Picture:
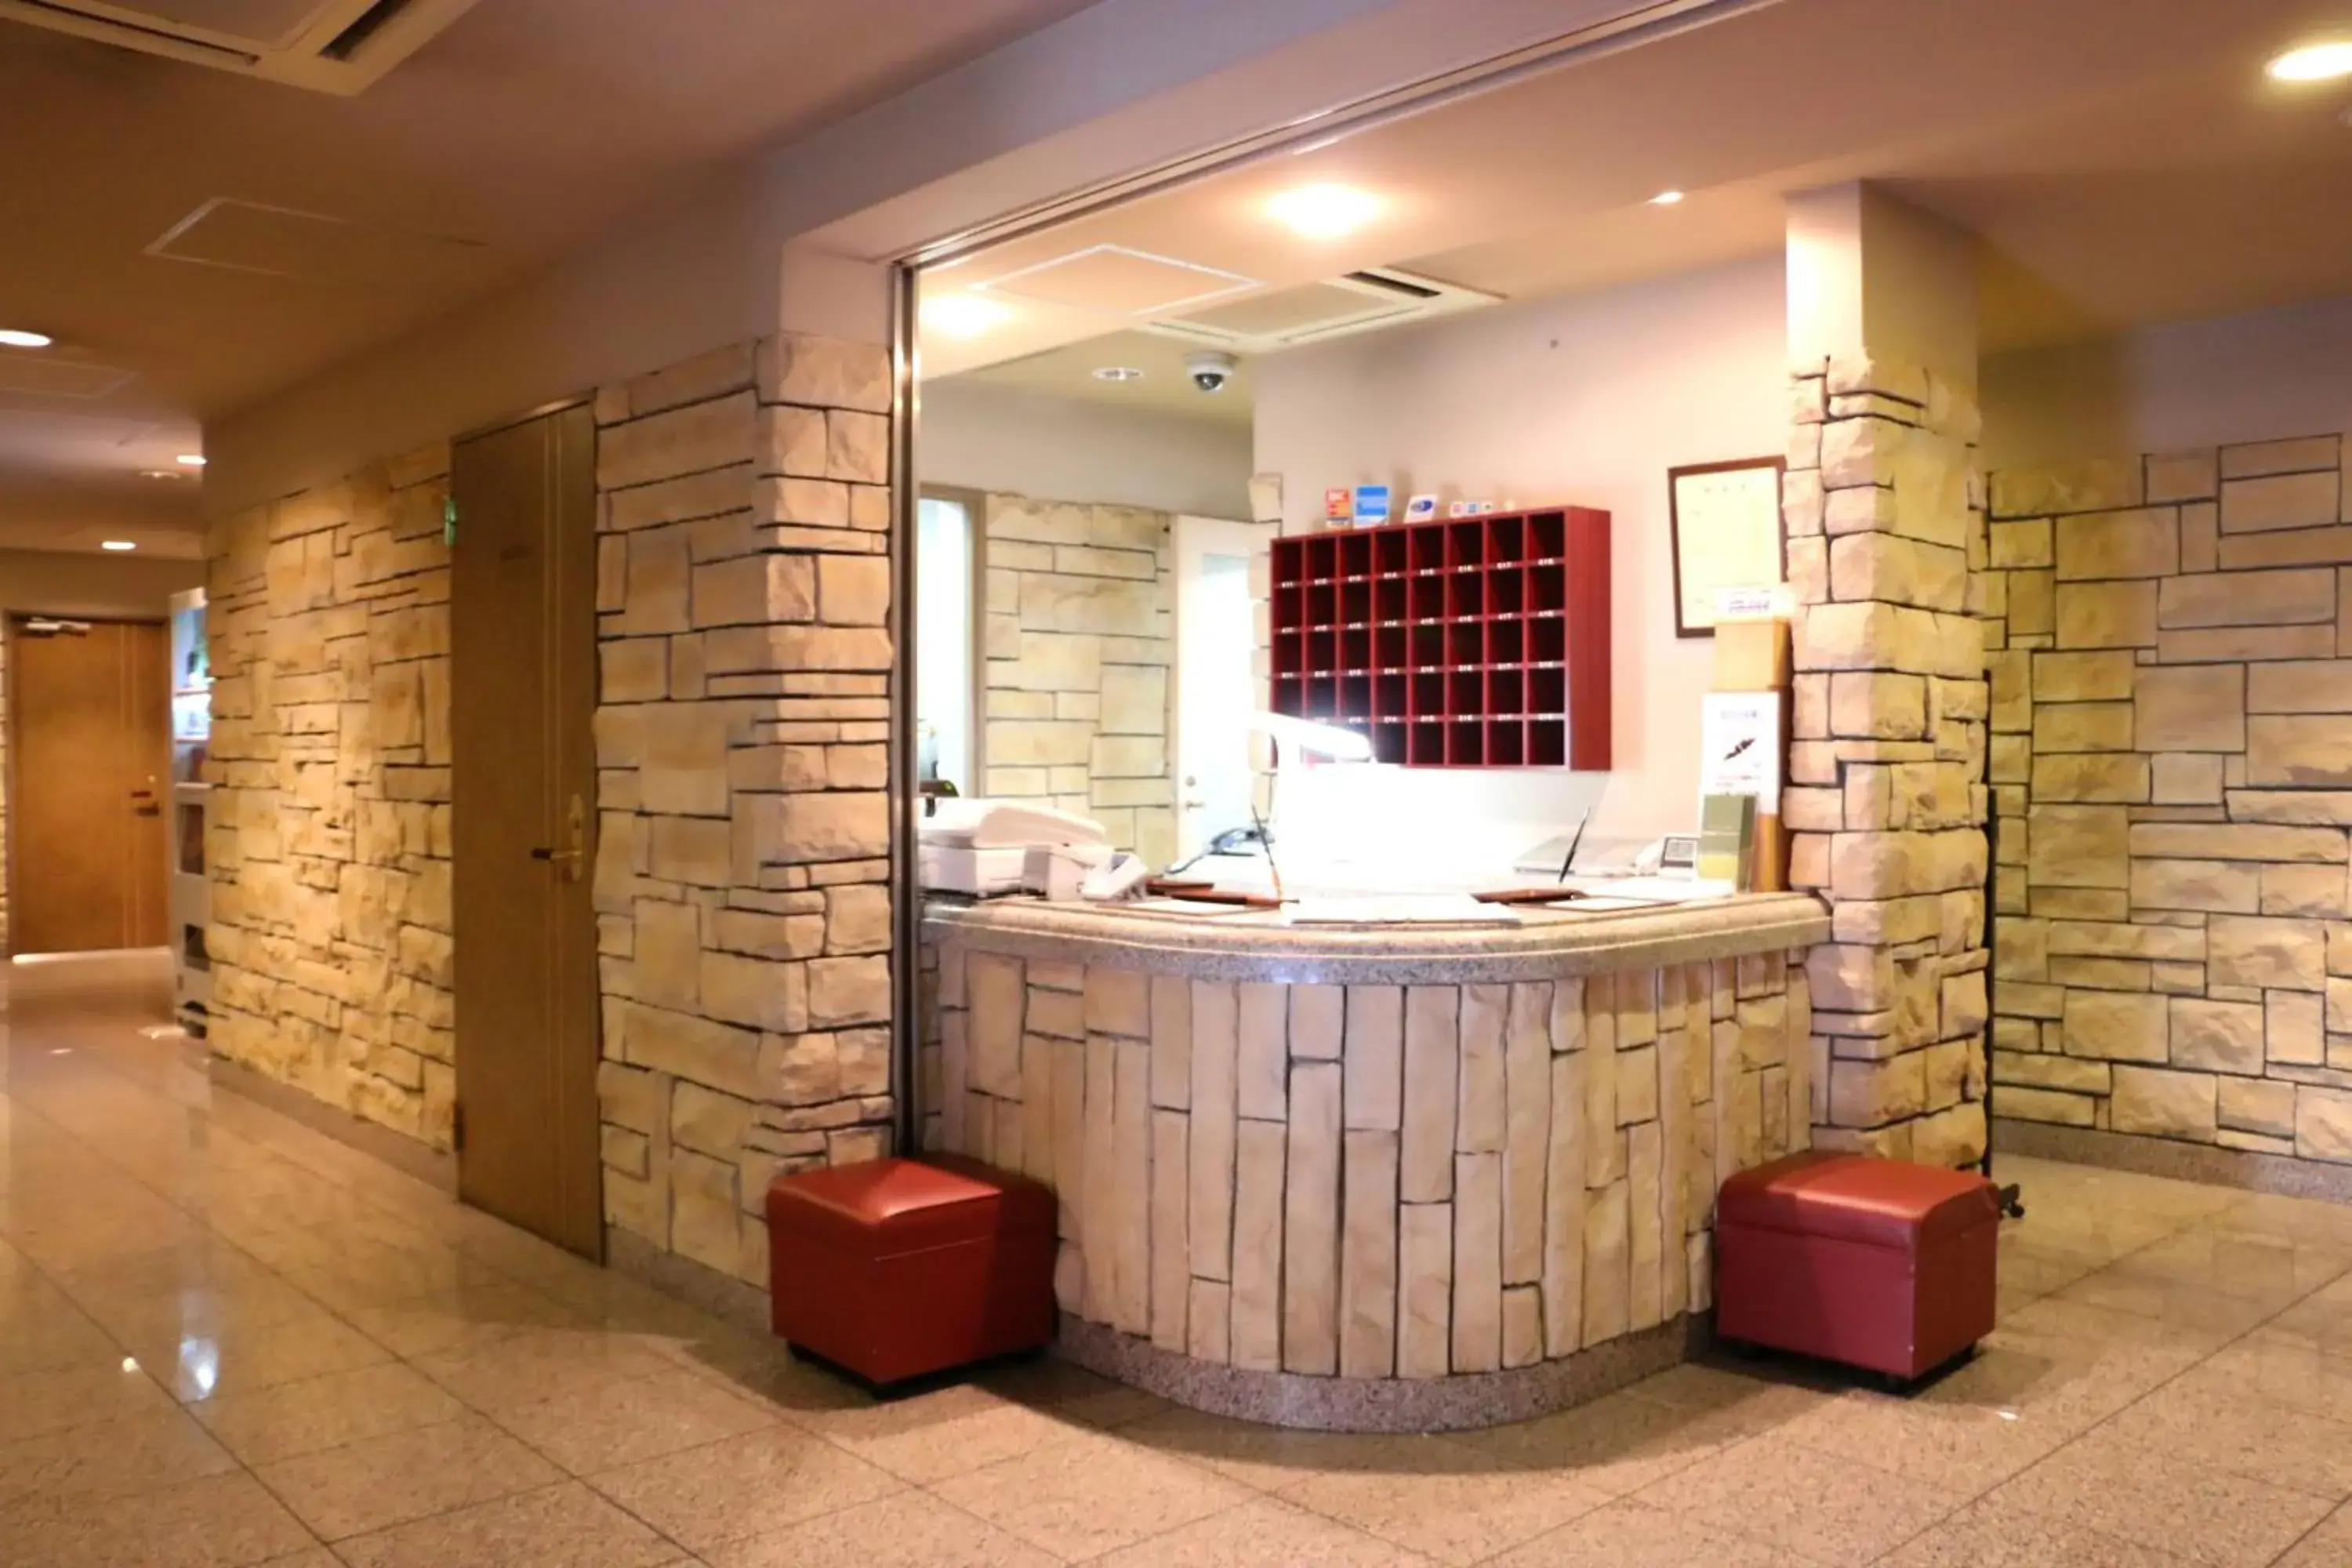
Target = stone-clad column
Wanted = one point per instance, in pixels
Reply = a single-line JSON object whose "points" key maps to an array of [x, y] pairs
{"points": [[1886, 797]]}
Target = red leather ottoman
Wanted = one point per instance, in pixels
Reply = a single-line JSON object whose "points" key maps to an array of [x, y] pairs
{"points": [[892, 1268], [1875, 1263]]}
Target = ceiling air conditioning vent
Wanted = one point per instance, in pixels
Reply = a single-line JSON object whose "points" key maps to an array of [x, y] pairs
{"points": [[1308, 312], [340, 47]]}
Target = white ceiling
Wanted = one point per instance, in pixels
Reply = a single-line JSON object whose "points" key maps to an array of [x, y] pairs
{"points": [[2123, 162], [1165, 389], [211, 239]]}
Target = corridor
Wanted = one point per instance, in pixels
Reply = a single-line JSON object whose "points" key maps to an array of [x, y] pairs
{"points": [[226, 1341]]}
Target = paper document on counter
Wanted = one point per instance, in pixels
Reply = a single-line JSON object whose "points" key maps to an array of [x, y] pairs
{"points": [[1398, 909]]}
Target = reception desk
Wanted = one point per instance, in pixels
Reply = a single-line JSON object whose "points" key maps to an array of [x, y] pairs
{"points": [[1374, 1178]]}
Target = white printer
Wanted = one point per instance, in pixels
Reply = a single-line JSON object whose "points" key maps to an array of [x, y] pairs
{"points": [[984, 848]]}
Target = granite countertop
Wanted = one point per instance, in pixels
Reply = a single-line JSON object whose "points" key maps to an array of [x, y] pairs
{"points": [[1257, 945]]}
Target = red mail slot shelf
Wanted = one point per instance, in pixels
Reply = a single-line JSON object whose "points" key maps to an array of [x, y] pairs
{"points": [[1470, 642]]}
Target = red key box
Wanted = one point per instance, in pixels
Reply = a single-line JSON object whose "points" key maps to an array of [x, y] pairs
{"points": [[1468, 642]]}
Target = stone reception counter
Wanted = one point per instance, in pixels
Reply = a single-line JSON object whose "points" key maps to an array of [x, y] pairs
{"points": [[1394, 1178]]}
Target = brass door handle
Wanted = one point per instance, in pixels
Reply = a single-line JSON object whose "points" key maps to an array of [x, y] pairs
{"points": [[573, 857]]}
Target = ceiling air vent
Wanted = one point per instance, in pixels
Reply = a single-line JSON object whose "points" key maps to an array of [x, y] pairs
{"points": [[1309, 313], [340, 47]]}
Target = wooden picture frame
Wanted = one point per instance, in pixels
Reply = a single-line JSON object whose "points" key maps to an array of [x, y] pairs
{"points": [[1725, 524]]}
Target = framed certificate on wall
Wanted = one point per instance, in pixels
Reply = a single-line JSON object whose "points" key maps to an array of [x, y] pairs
{"points": [[1725, 519]]}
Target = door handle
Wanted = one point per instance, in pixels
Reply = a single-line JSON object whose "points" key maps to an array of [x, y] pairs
{"points": [[573, 857]]}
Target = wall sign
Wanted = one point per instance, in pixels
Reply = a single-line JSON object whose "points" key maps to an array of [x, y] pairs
{"points": [[1740, 747], [1725, 519]]}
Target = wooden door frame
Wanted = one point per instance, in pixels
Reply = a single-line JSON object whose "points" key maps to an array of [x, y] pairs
{"points": [[593, 1025], [10, 621]]}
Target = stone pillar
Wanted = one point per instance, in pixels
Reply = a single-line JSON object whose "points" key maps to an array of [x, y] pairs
{"points": [[1886, 797]]}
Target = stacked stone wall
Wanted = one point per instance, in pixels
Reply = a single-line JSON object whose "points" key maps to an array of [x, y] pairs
{"points": [[1886, 798], [328, 824], [743, 751], [1079, 654], [2172, 760], [743, 738]]}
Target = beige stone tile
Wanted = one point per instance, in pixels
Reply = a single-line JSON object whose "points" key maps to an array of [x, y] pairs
{"points": [[2286, 1372], [1091, 1495], [1278, 1458], [1071, 1392], [2181, 1311], [2209, 1419], [241, 1359], [378, 1482], [1746, 1401], [2270, 1269], [525, 1368], [1616, 1445], [1458, 1515], [1964, 1448], [911, 1530], [2322, 1321], [2300, 1219], [1828, 1508], [41, 1329], [220, 1521], [371, 1274], [2329, 1545], [600, 1425], [98, 1389], [2065, 1316], [1633, 1535], [1995, 1534], [744, 1485], [929, 1436], [1263, 1532], [60, 1471], [2120, 1489], [565, 1526], [466, 1319], [302, 1418]]}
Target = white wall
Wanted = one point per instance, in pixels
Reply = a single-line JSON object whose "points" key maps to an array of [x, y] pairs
{"points": [[984, 437], [1587, 401], [2253, 377]]}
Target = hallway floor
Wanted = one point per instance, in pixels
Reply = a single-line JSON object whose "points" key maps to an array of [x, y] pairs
{"points": [[227, 1340]]}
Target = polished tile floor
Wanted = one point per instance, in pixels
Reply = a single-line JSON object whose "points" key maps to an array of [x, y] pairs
{"points": [[227, 1340]]}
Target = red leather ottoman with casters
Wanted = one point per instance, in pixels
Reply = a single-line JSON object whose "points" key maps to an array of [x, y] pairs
{"points": [[893, 1269], [1876, 1263]]}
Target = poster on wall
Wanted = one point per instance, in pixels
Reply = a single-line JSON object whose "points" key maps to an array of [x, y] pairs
{"points": [[1726, 521]]}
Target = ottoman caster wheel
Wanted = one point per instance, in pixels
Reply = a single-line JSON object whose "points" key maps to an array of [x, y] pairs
{"points": [[1894, 1384], [1742, 1349]]}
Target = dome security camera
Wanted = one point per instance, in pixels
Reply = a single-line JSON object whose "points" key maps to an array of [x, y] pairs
{"points": [[1210, 369]]}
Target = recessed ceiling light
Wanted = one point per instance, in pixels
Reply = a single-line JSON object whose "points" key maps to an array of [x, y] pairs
{"points": [[1666, 199], [1118, 373], [1324, 211], [116, 544], [190, 459], [962, 315], [17, 338], [2313, 62]]}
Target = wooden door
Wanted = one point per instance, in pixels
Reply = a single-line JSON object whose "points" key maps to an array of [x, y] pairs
{"points": [[89, 760], [523, 681]]}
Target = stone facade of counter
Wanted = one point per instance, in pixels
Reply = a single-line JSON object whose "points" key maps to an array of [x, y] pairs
{"points": [[2172, 762], [1374, 1181], [1886, 797]]}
